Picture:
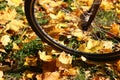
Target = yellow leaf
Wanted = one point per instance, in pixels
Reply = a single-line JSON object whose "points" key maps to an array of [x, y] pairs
{"points": [[15, 46], [44, 57], [14, 2], [5, 40], [92, 43], [7, 15], [31, 61], [105, 6], [1, 74], [64, 60], [15, 25], [92, 46]]}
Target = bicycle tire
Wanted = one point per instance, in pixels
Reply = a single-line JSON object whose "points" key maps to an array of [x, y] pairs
{"points": [[29, 12]]}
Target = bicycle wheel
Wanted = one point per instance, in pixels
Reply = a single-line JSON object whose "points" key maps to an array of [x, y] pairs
{"points": [[74, 27]]}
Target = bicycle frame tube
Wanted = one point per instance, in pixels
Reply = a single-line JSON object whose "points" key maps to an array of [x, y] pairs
{"points": [[92, 11]]}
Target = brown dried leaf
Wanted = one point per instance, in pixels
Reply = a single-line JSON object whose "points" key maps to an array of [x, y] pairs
{"points": [[69, 72], [118, 65], [48, 76], [115, 29], [49, 66]]}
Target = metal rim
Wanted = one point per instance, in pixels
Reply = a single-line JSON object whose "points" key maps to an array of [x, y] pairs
{"points": [[29, 12]]}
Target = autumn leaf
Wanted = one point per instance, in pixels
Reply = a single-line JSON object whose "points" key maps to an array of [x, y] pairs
{"points": [[7, 15], [115, 29], [14, 2]]}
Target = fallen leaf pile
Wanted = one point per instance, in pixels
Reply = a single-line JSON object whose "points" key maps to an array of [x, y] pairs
{"points": [[24, 56]]}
